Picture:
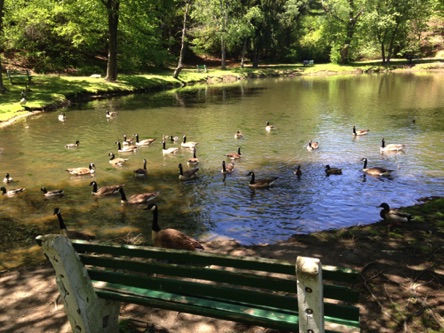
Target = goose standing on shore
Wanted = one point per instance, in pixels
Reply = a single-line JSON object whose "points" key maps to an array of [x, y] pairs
{"points": [[170, 238], [393, 216]]}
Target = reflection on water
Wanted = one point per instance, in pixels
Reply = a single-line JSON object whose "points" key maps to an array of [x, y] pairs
{"points": [[403, 109]]}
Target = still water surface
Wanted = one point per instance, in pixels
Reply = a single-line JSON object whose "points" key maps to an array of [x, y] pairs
{"points": [[402, 108]]}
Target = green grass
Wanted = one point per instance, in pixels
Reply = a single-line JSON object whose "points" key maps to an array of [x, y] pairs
{"points": [[50, 90]]}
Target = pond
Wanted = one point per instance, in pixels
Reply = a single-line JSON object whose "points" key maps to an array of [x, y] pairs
{"points": [[402, 108]]}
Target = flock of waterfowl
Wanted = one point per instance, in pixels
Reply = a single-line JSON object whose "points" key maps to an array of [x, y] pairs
{"points": [[172, 238]]}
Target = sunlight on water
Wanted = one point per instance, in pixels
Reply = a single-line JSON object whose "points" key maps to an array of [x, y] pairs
{"points": [[400, 108]]}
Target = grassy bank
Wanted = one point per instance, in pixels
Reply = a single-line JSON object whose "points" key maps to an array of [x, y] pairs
{"points": [[48, 92]]}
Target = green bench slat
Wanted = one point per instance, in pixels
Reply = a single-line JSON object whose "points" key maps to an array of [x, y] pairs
{"points": [[201, 290], [258, 281], [245, 314]]}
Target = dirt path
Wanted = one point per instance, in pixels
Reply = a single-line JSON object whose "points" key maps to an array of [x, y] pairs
{"points": [[401, 287]]}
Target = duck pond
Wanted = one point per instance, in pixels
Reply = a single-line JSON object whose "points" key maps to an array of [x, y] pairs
{"points": [[401, 108]]}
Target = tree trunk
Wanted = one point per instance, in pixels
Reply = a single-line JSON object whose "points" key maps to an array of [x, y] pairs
{"points": [[244, 51], [2, 87], [182, 43], [113, 21], [222, 37]]}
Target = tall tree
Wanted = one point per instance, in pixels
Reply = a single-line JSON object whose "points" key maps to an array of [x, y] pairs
{"points": [[112, 7], [343, 16], [390, 22], [2, 5], [183, 41]]}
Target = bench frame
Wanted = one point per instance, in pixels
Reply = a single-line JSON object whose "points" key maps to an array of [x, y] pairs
{"points": [[94, 278], [308, 63], [201, 68], [18, 74]]}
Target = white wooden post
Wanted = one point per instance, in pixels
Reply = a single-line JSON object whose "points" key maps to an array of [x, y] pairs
{"points": [[86, 312], [310, 295]]}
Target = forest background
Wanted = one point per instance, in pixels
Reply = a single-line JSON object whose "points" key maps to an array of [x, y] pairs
{"points": [[80, 37]]}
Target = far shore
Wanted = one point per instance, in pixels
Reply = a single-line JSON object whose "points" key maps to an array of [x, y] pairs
{"points": [[56, 92]]}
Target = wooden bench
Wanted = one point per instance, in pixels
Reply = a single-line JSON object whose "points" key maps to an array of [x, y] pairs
{"points": [[201, 68], [94, 278], [18, 74], [308, 63]]}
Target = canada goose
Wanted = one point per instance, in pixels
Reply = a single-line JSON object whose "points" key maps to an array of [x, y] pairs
{"points": [[393, 216], [105, 190], [136, 199], [260, 183], [375, 171], [8, 179], [269, 127], [170, 137], [144, 142], [312, 145], [116, 161], [189, 144], [235, 156], [72, 145], [171, 150], [82, 171], [51, 193], [11, 192], [170, 238], [227, 168], [141, 172], [188, 174], [193, 160], [359, 132], [125, 149], [297, 171], [110, 114], [23, 100], [391, 147], [72, 234], [126, 141], [332, 171], [238, 135], [62, 117]]}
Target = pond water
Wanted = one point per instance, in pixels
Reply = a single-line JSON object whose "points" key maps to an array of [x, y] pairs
{"points": [[402, 108]]}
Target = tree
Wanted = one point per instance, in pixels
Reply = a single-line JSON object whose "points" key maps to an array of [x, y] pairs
{"points": [[112, 7], [2, 5], [390, 21], [343, 17], [183, 41]]}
